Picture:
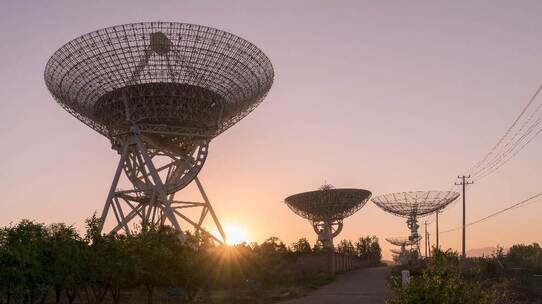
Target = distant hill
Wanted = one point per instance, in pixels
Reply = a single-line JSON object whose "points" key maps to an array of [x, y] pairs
{"points": [[484, 251]]}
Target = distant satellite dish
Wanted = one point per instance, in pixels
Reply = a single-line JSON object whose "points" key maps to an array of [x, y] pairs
{"points": [[326, 208], [396, 252], [402, 241], [413, 205]]}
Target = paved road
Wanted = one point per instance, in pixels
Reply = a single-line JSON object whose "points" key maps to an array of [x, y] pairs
{"points": [[361, 286]]}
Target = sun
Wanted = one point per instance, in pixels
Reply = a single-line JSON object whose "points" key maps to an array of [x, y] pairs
{"points": [[235, 234]]}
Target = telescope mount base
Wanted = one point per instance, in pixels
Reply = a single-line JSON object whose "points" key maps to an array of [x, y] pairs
{"points": [[150, 201]]}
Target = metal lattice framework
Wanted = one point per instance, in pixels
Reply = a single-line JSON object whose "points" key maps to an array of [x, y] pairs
{"points": [[413, 205], [396, 252], [403, 255], [326, 208], [401, 241], [186, 79], [160, 91], [328, 204]]}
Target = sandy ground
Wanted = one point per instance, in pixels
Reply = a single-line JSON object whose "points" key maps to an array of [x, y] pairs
{"points": [[362, 286]]}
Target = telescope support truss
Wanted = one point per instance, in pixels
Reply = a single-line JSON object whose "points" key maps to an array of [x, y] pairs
{"points": [[412, 224], [326, 231], [150, 201]]}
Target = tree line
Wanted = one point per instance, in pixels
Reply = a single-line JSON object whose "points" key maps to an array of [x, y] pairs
{"points": [[53, 263]]}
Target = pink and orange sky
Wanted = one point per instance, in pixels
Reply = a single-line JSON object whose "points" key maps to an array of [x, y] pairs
{"points": [[386, 96]]}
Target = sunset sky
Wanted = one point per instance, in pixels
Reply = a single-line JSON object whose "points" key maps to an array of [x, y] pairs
{"points": [[380, 95]]}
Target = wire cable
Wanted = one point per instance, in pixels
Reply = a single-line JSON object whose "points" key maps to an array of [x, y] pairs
{"points": [[505, 156], [498, 155], [479, 163], [516, 205]]}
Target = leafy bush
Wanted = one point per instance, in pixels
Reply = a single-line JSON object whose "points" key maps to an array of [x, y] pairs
{"points": [[525, 256], [442, 282]]}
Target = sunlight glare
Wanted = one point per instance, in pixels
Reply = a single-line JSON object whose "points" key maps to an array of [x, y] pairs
{"points": [[235, 234]]}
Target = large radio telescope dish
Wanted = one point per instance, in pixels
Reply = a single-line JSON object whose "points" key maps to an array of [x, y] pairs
{"points": [[402, 255], [174, 81], [160, 92], [401, 241], [418, 203], [326, 208], [396, 252], [414, 204], [328, 204]]}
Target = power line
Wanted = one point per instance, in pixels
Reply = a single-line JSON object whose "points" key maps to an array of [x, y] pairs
{"points": [[501, 159], [499, 154], [479, 163], [497, 166], [506, 147], [516, 205], [452, 188], [504, 150]]}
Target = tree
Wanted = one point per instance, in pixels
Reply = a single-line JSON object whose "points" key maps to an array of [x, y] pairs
{"points": [[273, 245], [368, 248], [66, 260], [318, 247], [525, 256], [200, 241], [97, 261], [10, 277], [270, 256], [302, 247], [346, 247], [23, 258], [156, 257], [120, 266]]}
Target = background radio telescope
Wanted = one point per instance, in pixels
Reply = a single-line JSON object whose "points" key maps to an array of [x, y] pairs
{"points": [[413, 205], [401, 241], [326, 208], [402, 255], [160, 92], [396, 252]]}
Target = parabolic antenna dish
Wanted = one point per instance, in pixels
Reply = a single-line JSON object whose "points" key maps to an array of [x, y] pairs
{"points": [[326, 208], [174, 81], [160, 91], [395, 251], [328, 204], [415, 203], [402, 241]]}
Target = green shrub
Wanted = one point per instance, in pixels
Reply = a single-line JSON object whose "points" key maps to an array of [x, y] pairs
{"points": [[525, 256], [441, 282]]}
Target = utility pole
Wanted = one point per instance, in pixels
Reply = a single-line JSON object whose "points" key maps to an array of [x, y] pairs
{"points": [[464, 182], [425, 238], [429, 243], [436, 224]]}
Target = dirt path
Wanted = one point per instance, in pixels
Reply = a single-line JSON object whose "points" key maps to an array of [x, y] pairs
{"points": [[362, 286]]}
